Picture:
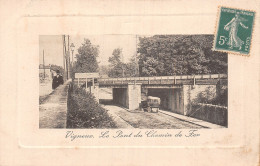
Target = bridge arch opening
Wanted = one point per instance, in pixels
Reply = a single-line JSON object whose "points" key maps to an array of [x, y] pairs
{"points": [[171, 98]]}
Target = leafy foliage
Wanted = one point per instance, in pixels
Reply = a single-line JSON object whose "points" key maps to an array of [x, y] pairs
{"points": [[209, 97], [116, 65], [205, 96], [119, 68], [103, 70], [131, 69], [85, 112], [179, 55], [86, 58], [221, 99]]}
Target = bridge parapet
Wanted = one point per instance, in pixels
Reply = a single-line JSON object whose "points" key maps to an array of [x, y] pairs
{"points": [[210, 79]]}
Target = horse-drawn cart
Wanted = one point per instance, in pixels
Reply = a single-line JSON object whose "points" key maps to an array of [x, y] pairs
{"points": [[152, 104]]}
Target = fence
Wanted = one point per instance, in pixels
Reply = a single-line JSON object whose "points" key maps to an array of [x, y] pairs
{"points": [[211, 113]]}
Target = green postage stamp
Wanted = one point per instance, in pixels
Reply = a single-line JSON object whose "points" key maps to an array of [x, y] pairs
{"points": [[234, 31]]}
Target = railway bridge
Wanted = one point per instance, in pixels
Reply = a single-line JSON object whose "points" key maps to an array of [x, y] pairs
{"points": [[176, 92]]}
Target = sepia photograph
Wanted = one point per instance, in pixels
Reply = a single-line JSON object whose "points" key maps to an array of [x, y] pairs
{"points": [[132, 81]]}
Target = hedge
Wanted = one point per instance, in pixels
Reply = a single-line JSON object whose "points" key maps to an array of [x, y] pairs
{"points": [[85, 112]]}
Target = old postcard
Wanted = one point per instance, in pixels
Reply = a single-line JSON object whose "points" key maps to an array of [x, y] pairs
{"points": [[130, 83]]}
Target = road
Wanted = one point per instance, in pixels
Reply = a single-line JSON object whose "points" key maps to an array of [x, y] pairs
{"points": [[140, 119], [145, 120]]}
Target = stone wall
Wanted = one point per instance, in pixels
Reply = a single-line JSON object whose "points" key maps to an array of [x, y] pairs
{"points": [[192, 93], [211, 113]]}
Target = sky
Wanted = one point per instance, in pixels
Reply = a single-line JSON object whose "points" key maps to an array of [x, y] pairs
{"points": [[53, 47]]}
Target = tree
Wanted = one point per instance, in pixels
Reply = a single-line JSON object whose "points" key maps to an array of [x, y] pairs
{"points": [[116, 65], [86, 58], [179, 55], [152, 67], [217, 61], [131, 68], [121, 69], [103, 70]]}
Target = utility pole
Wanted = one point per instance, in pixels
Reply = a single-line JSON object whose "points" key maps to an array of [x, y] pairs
{"points": [[136, 67], [181, 64], [66, 58], [123, 63], [64, 67], [43, 65], [72, 56], [72, 50], [135, 52], [135, 55], [123, 70], [69, 57]]}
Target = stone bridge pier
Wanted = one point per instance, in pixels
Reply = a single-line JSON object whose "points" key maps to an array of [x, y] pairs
{"points": [[128, 96]]}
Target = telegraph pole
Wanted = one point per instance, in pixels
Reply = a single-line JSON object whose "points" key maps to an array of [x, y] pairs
{"points": [[65, 50], [72, 56], [123, 70], [123, 62], [69, 57], [43, 65], [64, 67], [72, 50], [135, 55]]}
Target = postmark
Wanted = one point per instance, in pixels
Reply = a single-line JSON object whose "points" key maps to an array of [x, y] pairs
{"points": [[234, 31]]}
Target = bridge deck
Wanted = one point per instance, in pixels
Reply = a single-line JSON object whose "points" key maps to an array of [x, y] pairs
{"points": [[171, 81]]}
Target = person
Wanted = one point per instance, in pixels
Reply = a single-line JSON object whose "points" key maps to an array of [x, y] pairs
{"points": [[232, 27], [57, 80]]}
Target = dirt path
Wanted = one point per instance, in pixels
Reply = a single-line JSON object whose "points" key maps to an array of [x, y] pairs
{"points": [[53, 110]]}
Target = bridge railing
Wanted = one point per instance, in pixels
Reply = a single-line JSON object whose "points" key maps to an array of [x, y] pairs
{"points": [[182, 77]]}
